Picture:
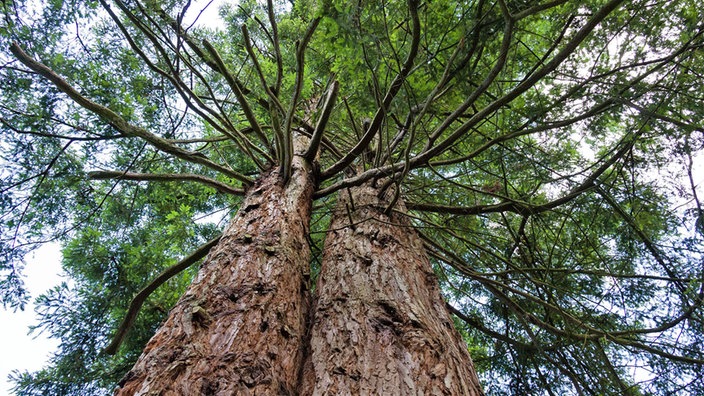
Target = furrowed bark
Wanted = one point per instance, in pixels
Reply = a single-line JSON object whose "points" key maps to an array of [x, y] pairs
{"points": [[380, 325], [239, 328]]}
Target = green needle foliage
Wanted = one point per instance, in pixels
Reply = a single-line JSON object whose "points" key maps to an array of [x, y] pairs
{"points": [[548, 152]]}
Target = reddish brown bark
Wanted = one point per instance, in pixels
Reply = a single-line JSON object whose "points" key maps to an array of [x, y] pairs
{"points": [[380, 325], [239, 328]]}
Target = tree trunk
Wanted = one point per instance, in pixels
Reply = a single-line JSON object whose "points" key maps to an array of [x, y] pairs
{"points": [[380, 325], [239, 327]]}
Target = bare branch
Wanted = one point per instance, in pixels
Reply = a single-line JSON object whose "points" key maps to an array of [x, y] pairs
{"points": [[222, 187], [315, 140]]}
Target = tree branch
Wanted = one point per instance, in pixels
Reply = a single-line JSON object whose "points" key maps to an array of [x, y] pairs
{"points": [[315, 140], [140, 297], [484, 86], [219, 121], [222, 187], [394, 88], [118, 122], [250, 51], [525, 208], [627, 338], [430, 152], [477, 324], [276, 44], [236, 89], [288, 133]]}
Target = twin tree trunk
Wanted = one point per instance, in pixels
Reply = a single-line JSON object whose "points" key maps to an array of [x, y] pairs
{"points": [[379, 324], [240, 326]]}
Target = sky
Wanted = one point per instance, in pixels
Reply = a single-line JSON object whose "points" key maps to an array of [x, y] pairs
{"points": [[19, 350]]}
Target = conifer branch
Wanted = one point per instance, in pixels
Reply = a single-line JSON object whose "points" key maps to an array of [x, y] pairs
{"points": [[236, 89], [277, 46], [219, 121], [391, 93], [142, 295], [287, 142], [222, 187], [117, 121]]}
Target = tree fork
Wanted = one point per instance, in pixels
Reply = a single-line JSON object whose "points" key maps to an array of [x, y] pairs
{"points": [[380, 325], [239, 327]]}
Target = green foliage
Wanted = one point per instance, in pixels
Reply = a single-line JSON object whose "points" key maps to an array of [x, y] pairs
{"points": [[553, 173]]}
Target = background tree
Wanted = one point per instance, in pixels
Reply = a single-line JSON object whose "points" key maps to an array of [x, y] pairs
{"points": [[547, 153]]}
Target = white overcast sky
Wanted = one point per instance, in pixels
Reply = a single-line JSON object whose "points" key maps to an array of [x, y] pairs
{"points": [[18, 350]]}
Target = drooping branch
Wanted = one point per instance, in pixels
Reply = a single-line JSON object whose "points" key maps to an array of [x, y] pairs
{"points": [[143, 294], [627, 338], [476, 323], [120, 123], [489, 279], [662, 117], [42, 176], [222, 187], [654, 251], [525, 208], [5, 123]]}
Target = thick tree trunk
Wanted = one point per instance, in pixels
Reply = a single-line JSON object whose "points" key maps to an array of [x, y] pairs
{"points": [[239, 328], [380, 325]]}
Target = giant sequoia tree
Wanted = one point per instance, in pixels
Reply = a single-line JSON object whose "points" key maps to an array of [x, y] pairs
{"points": [[374, 191]]}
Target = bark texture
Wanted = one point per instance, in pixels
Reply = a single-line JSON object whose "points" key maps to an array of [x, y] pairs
{"points": [[380, 325], [239, 328]]}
